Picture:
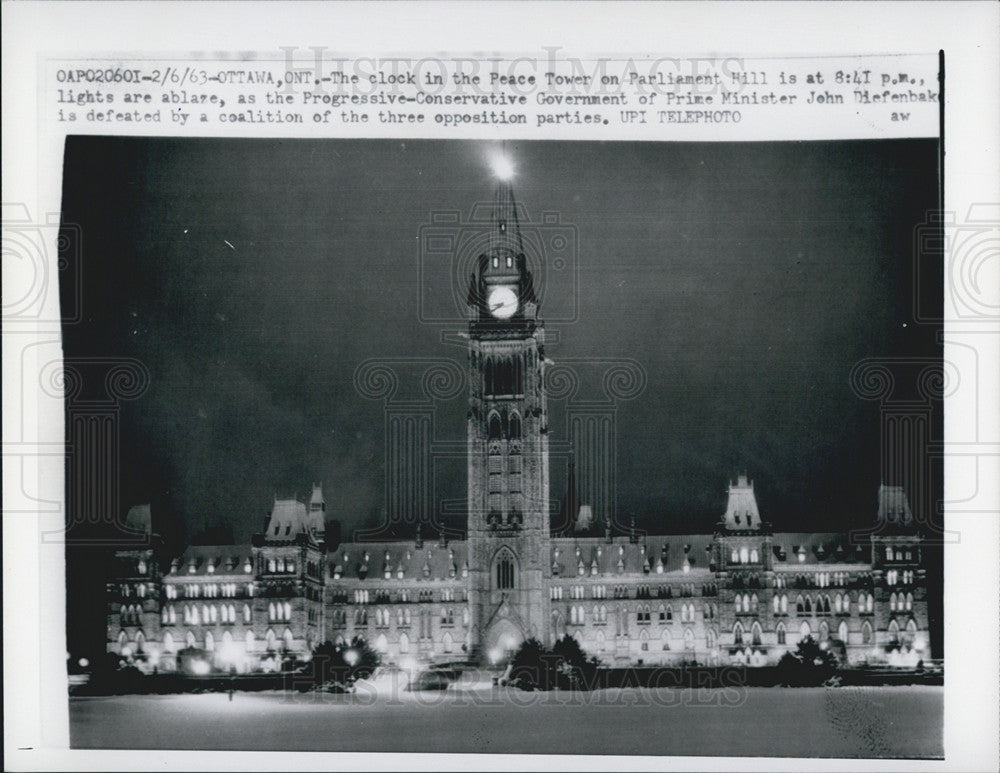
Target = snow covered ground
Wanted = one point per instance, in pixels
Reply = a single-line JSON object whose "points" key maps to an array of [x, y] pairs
{"points": [[825, 722]]}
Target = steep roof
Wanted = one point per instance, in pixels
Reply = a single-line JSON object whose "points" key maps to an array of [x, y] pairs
{"points": [[741, 508], [893, 506], [290, 517], [656, 555], [140, 519], [213, 560], [431, 561], [818, 548]]}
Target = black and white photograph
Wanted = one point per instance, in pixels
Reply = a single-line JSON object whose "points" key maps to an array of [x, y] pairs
{"points": [[504, 446], [438, 386]]}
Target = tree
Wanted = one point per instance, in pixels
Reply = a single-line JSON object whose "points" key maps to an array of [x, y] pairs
{"points": [[341, 666], [573, 669], [531, 668], [534, 667], [809, 664]]}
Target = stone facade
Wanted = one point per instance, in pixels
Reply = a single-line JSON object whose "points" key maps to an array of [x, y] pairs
{"points": [[742, 593]]}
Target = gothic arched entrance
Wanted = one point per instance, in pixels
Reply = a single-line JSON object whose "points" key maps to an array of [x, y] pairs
{"points": [[502, 639]]}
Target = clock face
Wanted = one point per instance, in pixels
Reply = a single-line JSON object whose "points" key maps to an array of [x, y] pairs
{"points": [[502, 302]]}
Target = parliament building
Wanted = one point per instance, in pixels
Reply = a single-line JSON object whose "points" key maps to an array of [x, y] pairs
{"points": [[740, 593]]}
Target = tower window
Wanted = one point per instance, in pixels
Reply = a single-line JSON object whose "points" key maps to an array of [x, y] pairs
{"points": [[505, 573]]}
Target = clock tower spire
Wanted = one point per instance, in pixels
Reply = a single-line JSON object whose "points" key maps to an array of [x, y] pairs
{"points": [[508, 449]]}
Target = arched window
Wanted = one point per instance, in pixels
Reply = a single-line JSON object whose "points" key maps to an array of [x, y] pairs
{"points": [[909, 601], [753, 552], [738, 634], [753, 602], [496, 430], [744, 556], [911, 631], [246, 614], [799, 605], [804, 630], [824, 631], [515, 427], [739, 603], [446, 643], [826, 604], [893, 631], [688, 639], [504, 377], [518, 385], [490, 373], [710, 638], [189, 640], [505, 571], [808, 607], [288, 610], [892, 602], [755, 634], [866, 632], [209, 641], [776, 604], [842, 631], [869, 603], [381, 644], [250, 643], [837, 604], [288, 639], [781, 633], [404, 644], [168, 642], [735, 557]]}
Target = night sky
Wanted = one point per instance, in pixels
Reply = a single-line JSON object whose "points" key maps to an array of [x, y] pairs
{"points": [[746, 279]]}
